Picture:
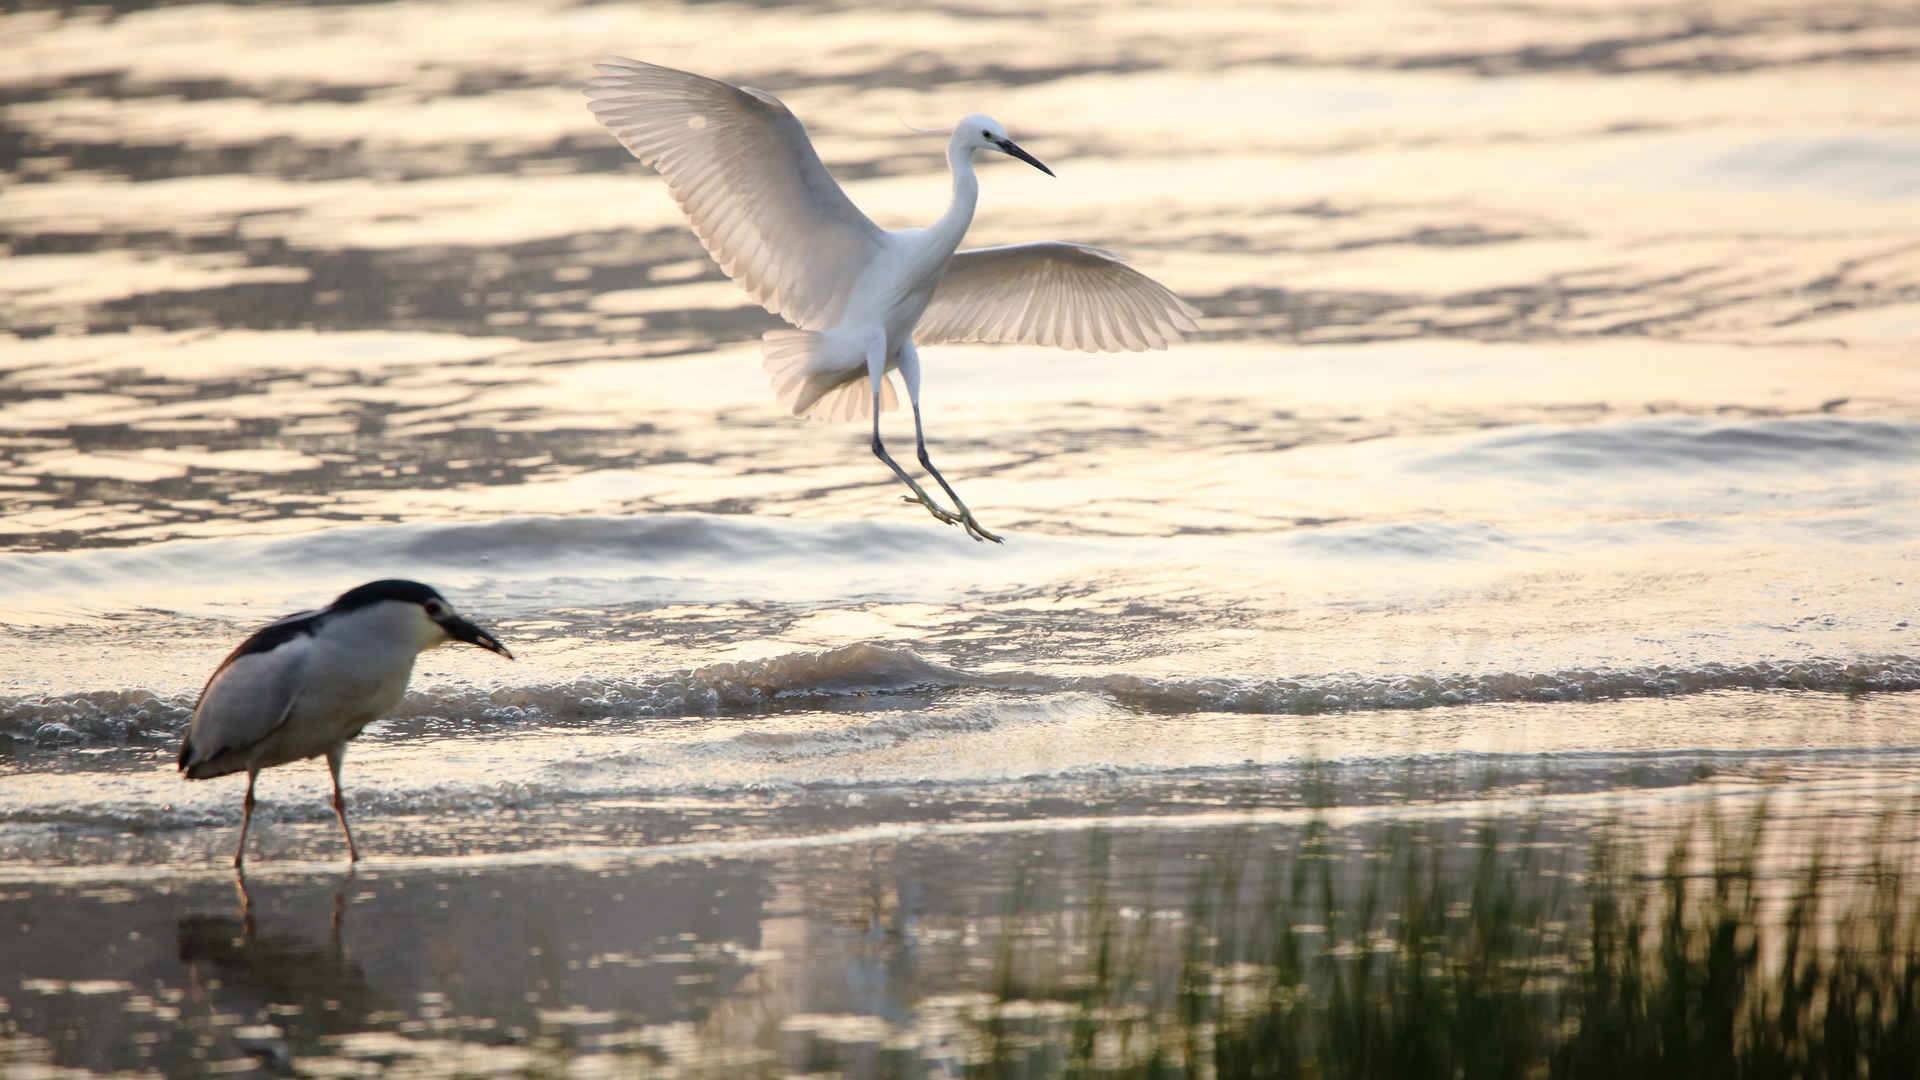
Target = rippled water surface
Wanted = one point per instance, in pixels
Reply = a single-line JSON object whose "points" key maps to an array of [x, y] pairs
{"points": [[1549, 445]]}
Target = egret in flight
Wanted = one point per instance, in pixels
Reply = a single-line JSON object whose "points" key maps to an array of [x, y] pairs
{"points": [[302, 686], [742, 168]]}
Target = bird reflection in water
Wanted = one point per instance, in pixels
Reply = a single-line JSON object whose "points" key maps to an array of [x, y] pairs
{"points": [[236, 971]]}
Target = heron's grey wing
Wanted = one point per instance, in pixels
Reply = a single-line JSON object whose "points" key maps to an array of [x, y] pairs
{"points": [[250, 696], [1052, 293], [743, 169]]}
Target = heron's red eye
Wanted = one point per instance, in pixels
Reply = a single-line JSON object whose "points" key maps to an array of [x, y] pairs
{"points": [[434, 610]]}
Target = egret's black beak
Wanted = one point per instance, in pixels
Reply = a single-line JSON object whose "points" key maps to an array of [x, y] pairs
{"points": [[1013, 150], [459, 629]]}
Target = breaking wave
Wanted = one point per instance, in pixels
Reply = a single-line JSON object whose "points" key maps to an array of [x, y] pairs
{"points": [[834, 680]]}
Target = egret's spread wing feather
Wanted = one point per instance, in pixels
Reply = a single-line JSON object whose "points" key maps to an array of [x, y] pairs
{"points": [[1069, 295], [743, 169]]}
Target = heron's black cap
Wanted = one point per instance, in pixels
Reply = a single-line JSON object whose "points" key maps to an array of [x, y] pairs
{"points": [[407, 592], [412, 592]]}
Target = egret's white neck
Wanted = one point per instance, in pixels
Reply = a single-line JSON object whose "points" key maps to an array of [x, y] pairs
{"points": [[952, 225]]}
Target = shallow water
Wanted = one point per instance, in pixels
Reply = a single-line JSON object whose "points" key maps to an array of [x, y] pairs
{"points": [[1548, 441]]}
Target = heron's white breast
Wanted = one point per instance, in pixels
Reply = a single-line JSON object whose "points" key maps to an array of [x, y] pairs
{"points": [[355, 670]]}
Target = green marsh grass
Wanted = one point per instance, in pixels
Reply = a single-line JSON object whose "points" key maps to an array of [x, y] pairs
{"points": [[1421, 952]]}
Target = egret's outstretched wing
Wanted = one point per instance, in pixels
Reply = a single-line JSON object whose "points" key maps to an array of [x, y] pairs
{"points": [[249, 697], [1068, 295], [744, 170]]}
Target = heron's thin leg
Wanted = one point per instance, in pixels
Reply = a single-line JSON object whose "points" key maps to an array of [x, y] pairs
{"points": [[334, 757], [246, 819], [910, 374], [876, 373]]}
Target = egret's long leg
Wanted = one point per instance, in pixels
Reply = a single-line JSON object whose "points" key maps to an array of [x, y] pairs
{"points": [[334, 757], [910, 374], [877, 371], [967, 520], [919, 494]]}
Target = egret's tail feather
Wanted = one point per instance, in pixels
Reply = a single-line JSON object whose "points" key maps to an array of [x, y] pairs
{"points": [[792, 362], [852, 400]]}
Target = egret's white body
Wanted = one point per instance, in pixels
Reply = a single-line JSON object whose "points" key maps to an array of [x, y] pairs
{"points": [[305, 685], [770, 214]]}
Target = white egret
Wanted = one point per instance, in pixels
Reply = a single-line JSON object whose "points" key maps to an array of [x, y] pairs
{"points": [[742, 168], [303, 685]]}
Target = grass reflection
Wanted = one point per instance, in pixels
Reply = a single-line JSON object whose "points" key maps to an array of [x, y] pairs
{"points": [[1423, 955]]}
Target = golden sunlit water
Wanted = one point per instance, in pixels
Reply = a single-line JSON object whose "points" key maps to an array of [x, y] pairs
{"points": [[1547, 450]]}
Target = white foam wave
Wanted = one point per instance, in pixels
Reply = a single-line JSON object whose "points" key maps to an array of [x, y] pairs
{"points": [[827, 680], [1337, 692]]}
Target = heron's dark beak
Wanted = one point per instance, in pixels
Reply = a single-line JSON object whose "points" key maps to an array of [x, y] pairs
{"points": [[459, 629], [1013, 150]]}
